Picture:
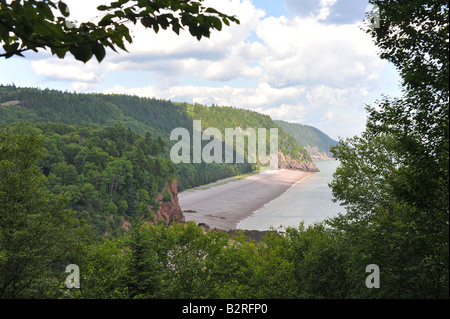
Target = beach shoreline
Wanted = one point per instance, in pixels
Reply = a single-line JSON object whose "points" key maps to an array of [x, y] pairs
{"points": [[224, 205]]}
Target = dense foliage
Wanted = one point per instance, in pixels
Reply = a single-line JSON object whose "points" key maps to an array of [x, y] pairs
{"points": [[394, 179], [108, 175], [141, 115], [184, 261], [40, 237], [38, 234]]}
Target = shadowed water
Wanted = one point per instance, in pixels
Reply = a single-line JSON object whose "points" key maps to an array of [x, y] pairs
{"points": [[309, 200]]}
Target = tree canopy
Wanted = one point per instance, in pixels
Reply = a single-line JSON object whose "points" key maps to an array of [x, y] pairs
{"points": [[34, 24], [393, 180]]}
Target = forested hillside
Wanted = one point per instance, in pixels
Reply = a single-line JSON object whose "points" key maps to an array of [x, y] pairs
{"points": [[228, 117], [108, 175], [313, 140], [158, 117], [141, 115]]}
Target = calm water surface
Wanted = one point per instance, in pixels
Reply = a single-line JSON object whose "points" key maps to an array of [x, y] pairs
{"points": [[310, 201]]}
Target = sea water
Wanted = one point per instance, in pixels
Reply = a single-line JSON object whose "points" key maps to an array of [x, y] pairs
{"points": [[310, 201]]}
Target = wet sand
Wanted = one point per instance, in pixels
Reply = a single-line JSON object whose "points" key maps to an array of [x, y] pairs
{"points": [[223, 205]]}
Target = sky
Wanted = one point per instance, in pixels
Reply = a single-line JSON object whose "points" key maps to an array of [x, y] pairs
{"points": [[304, 62]]}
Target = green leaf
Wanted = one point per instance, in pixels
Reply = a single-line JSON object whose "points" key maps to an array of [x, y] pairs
{"points": [[25, 28], [176, 27], [42, 28], [106, 20], [216, 23], [64, 9], [119, 14], [146, 22], [34, 24], [156, 27], [45, 11], [211, 10], [99, 51], [130, 15], [81, 52], [60, 52], [29, 12], [10, 49]]}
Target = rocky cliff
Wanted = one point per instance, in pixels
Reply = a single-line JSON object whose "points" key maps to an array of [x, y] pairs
{"points": [[285, 161], [169, 208], [318, 155]]}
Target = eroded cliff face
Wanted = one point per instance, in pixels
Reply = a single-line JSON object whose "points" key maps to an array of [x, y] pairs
{"points": [[170, 211], [285, 161], [318, 155]]}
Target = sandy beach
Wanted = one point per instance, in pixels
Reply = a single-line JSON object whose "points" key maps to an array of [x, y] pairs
{"points": [[224, 204]]}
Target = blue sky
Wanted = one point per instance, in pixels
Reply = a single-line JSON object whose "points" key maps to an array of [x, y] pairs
{"points": [[301, 61]]}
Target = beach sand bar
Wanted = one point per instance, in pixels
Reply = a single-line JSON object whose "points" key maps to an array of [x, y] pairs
{"points": [[224, 205]]}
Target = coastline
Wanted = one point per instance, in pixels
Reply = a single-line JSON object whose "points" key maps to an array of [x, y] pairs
{"points": [[225, 205], [307, 202], [256, 211]]}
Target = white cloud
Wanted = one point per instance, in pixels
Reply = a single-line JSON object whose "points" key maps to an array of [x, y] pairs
{"points": [[293, 113], [304, 51], [326, 108], [329, 116], [262, 98], [67, 70], [229, 69]]}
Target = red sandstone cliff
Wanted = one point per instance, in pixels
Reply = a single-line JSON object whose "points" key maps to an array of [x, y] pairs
{"points": [[170, 211], [285, 161]]}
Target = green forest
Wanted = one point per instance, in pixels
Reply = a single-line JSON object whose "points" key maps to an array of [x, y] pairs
{"points": [[309, 137], [143, 115], [222, 117], [74, 167], [107, 175]]}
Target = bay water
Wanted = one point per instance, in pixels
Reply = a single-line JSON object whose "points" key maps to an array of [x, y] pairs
{"points": [[310, 201]]}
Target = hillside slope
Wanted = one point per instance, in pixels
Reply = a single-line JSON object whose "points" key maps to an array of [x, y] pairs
{"points": [[313, 140], [142, 115], [291, 155], [108, 175]]}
